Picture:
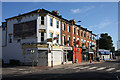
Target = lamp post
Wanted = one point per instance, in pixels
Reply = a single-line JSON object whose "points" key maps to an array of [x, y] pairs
{"points": [[97, 51], [32, 51]]}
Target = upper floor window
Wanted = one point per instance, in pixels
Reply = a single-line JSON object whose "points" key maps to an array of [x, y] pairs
{"points": [[68, 40], [63, 37], [77, 31], [58, 38], [73, 30], [42, 20], [51, 22], [81, 33], [63, 26], [68, 28], [90, 36], [57, 24], [87, 35], [42, 36], [84, 34]]}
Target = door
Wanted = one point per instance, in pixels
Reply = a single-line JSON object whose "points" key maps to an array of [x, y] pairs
{"points": [[42, 58]]}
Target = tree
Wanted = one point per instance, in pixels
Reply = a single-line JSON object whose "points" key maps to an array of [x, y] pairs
{"points": [[105, 42]]}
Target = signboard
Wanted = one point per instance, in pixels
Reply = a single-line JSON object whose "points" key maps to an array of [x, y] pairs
{"points": [[67, 48], [42, 30], [42, 46]]}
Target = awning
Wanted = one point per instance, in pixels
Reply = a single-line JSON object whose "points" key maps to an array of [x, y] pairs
{"points": [[104, 52]]}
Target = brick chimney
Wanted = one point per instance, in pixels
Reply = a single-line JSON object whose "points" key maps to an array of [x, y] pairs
{"points": [[72, 21], [55, 12]]}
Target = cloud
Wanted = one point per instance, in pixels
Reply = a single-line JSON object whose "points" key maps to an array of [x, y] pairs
{"points": [[82, 10], [102, 24]]}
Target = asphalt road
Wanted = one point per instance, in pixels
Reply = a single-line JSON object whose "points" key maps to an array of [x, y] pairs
{"points": [[109, 70]]}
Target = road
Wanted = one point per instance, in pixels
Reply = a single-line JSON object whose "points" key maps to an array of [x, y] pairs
{"points": [[109, 70]]}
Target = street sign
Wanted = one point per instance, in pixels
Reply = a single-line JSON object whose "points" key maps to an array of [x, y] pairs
{"points": [[55, 38]]}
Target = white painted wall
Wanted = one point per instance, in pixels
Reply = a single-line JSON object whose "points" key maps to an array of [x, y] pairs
{"points": [[14, 50]]}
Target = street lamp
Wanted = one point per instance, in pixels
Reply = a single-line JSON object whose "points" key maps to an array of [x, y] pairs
{"points": [[32, 51]]}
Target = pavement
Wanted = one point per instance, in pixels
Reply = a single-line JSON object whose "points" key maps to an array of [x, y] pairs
{"points": [[108, 70]]}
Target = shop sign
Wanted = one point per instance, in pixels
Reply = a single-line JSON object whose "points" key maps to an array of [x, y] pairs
{"points": [[42, 30], [67, 48], [57, 47], [42, 46]]}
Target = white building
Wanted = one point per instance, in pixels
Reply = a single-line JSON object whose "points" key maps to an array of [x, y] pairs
{"points": [[30, 28]]}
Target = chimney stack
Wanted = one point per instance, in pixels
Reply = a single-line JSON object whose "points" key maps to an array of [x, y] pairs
{"points": [[55, 12], [72, 21]]}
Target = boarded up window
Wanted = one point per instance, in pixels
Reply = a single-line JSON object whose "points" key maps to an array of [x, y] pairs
{"points": [[25, 29]]}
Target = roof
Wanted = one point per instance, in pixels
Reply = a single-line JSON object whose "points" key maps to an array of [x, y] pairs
{"points": [[46, 11]]}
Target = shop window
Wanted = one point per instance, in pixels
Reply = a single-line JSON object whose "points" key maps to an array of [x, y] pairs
{"points": [[42, 20], [51, 35], [51, 22], [42, 36]]}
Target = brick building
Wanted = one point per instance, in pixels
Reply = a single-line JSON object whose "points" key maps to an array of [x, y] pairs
{"points": [[39, 26]]}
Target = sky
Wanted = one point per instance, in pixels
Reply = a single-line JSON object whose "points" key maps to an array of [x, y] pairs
{"points": [[99, 17]]}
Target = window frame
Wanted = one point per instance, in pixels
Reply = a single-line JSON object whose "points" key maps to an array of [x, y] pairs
{"points": [[42, 36], [42, 20]]}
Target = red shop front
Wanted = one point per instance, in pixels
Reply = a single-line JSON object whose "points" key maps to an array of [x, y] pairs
{"points": [[77, 55]]}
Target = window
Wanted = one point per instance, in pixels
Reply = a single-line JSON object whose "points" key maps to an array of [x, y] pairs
{"points": [[77, 31], [51, 35], [58, 38], [42, 36], [68, 28], [51, 22], [84, 34], [63, 40], [87, 35], [57, 24], [10, 38], [84, 42], [68, 40], [63, 26], [73, 30], [88, 44], [90, 36], [42, 20], [81, 43], [81, 33], [18, 40]]}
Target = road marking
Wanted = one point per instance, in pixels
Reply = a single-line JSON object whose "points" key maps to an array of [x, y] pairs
{"points": [[117, 70], [101, 68], [68, 68], [92, 68], [76, 67], [110, 69], [77, 71], [84, 67], [22, 69]]}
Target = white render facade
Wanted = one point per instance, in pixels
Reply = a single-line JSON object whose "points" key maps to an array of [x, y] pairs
{"points": [[14, 49]]}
